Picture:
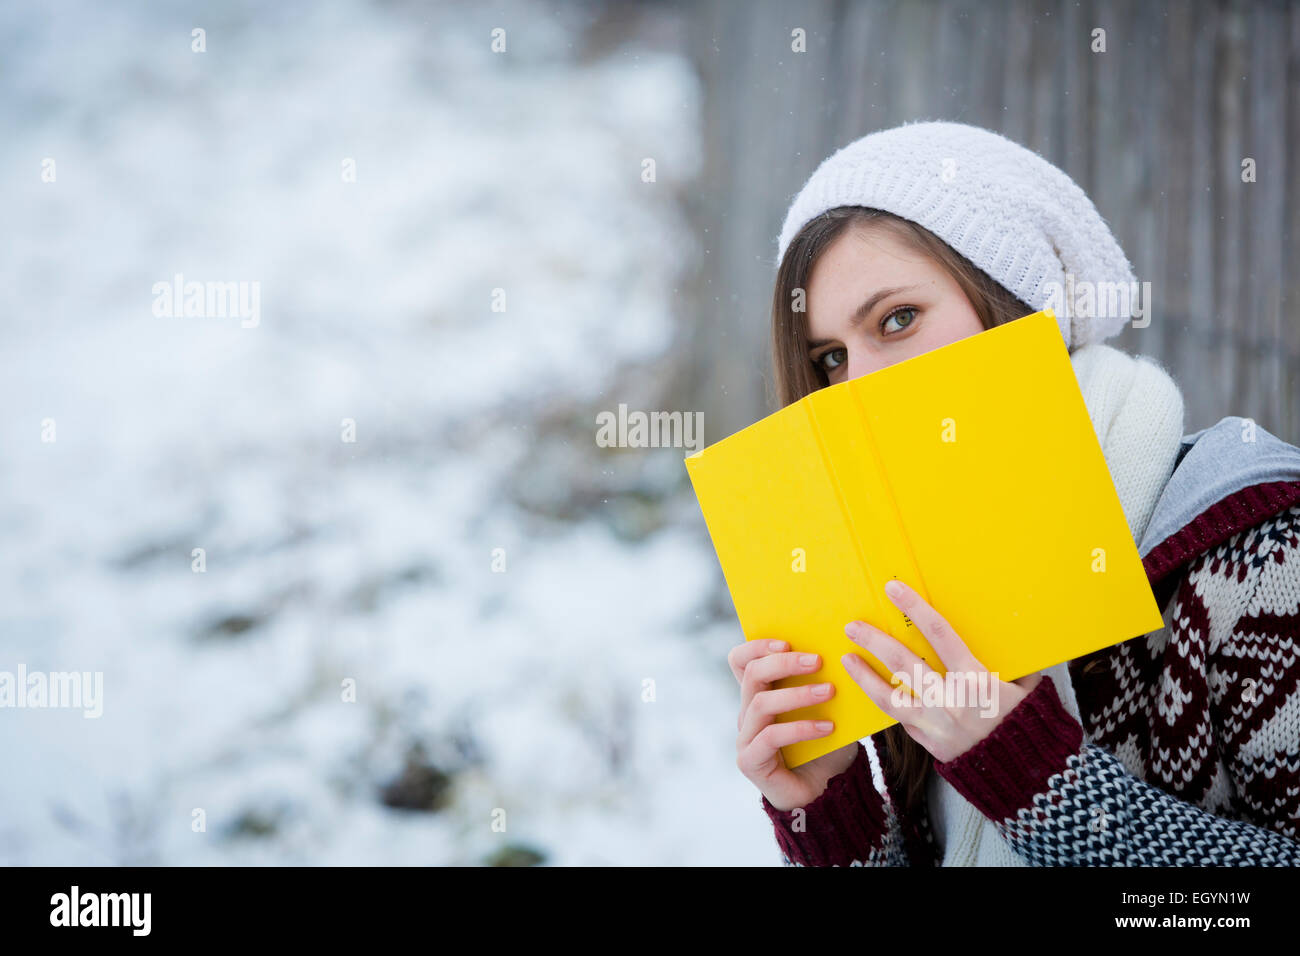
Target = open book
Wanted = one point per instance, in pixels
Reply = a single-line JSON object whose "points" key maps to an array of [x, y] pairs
{"points": [[973, 473]]}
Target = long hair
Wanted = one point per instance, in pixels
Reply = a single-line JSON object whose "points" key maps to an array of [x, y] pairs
{"points": [[905, 763]]}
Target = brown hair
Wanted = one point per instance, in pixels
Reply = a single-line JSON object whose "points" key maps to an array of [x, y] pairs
{"points": [[904, 761]]}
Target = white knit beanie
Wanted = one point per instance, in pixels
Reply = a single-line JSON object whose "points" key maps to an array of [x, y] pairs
{"points": [[1005, 208]]}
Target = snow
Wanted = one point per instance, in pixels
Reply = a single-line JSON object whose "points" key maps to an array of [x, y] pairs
{"points": [[332, 561]]}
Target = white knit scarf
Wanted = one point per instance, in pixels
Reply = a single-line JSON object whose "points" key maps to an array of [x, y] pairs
{"points": [[1137, 412]]}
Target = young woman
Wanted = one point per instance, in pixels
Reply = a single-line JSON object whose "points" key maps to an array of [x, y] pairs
{"points": [[1178, 748]]}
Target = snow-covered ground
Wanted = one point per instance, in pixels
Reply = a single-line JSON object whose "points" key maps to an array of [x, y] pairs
{"points": [[332, 564]]}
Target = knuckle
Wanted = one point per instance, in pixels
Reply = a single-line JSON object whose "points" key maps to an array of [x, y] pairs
{"points": [[787, 663], [749, 758], [755, 673], [777, 736], [780, 701]]}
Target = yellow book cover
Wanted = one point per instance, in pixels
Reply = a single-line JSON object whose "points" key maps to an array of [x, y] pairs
{"points": [[973, 473]]}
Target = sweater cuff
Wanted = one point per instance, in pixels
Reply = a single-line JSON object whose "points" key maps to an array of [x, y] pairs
{"points": [[1003, 772], [844, 824]]}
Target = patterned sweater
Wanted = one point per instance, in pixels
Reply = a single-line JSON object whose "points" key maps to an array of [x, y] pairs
{"points": [[1189, 752]]}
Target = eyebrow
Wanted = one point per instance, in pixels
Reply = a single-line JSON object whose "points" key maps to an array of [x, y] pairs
{"points": [[864, 310]]}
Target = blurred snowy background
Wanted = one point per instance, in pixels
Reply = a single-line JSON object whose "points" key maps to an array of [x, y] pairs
{"points": [[128, 440], [371, 560]]}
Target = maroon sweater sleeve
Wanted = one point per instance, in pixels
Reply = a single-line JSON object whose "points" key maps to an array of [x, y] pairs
{"points": [[853, 824], [1003, 772], [850, 824], [1060, 800]]}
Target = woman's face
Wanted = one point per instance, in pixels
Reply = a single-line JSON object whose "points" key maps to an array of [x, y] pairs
{"points": [[873, 301]]}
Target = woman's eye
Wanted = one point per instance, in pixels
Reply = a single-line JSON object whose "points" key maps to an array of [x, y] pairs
{"points": [[910, 313], [831, 360]]}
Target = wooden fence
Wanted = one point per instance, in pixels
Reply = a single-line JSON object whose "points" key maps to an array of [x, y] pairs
{"points": [[1154, 129]]}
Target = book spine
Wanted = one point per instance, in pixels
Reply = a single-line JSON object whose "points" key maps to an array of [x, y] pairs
{"points": [[872, 515]]}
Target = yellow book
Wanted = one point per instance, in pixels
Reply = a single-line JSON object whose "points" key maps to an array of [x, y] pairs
{"points": [[973, 473]]}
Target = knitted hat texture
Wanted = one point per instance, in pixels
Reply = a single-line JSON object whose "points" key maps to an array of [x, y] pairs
{"points": [[1009, 211]]}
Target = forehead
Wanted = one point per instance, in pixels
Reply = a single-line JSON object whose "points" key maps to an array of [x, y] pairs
{"points": [[861, 261]]}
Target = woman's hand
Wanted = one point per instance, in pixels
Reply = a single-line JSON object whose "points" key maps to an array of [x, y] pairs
{"points": [[947, 729], [756, 665]]}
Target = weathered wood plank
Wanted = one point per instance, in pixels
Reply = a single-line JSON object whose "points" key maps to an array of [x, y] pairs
{"points": [[1154, 130]]}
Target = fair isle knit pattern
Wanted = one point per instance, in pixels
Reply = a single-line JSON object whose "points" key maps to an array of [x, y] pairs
{"points": [[1209, 709], [1189, 752]]}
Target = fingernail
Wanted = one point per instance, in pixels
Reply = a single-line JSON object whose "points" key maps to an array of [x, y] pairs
{"points": [[822, 690], [776, 645], [808, 660], [894, 589], [823, 725]]}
